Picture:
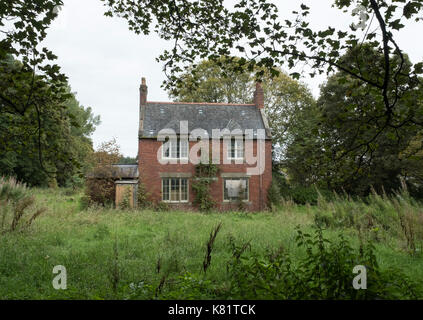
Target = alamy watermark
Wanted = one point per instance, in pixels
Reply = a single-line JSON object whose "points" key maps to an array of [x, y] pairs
{"points": [[360, 281], [60, 281], [200, 151]]}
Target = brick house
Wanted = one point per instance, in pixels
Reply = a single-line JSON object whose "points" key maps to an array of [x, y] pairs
{"points": [[167, 164]]}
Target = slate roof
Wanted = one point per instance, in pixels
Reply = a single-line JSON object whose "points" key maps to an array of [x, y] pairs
{"points": [[125, 171], [159, 115], [119, 171]]}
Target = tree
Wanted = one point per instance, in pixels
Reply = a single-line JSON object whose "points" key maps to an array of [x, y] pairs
{"points": [[214, 81], [100, 183], [24, 25], [29, 78], [285, 99], [255, 30], [128, 160], [348, 111], [50, 141]]}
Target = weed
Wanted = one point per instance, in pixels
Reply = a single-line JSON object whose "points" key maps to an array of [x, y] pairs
{"points": [[210, 244], [16, 203]]}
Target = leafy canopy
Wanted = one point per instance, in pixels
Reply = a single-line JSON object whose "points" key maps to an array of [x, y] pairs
{"points": [[256, 31]]}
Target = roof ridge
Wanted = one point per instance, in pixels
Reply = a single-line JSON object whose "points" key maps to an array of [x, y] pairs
{"points": [[203, 103]]}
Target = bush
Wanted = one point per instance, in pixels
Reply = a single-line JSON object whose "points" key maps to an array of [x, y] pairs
{"points": [[204, 177], [143, 196], [203, 199], [125, 204], [325, 272], [308, 195], [274, 197], [304, 195], [298, 194], [84, 202], [161, 206], [100, 184], [100, 191]]}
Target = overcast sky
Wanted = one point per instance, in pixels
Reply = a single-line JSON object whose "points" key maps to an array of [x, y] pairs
{"points": [[105, 61]]}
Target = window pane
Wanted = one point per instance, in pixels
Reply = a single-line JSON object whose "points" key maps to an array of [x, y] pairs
{"points": [[235, 189], [240, 149], [173, 149], [184, 148], [174, 190], [232, 188], [165, 190], [178, 149], [184, 190], [243, 189], [231, 149], [166, 149]]}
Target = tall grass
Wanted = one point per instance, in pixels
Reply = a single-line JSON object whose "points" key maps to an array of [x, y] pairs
{"points": [[115, 254], [378, 216], [17, 206]]}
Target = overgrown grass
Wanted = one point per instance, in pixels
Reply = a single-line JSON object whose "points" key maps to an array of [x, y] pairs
{"points": [[115, 254]]}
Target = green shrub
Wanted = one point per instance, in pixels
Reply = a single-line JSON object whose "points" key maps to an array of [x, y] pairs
{"points": [[161, 206], [84, 202], [204, 177], [125, 204], [325, 272], [143, 197], [304, 195], [323, 219], [274, 197], [203, 199]]}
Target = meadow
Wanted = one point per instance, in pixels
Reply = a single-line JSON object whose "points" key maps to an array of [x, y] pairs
{"points": [[128, 254]]}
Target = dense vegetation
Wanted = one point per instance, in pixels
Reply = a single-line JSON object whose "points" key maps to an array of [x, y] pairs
{"points": [[115, 254], [49, 142], [44, 131]]}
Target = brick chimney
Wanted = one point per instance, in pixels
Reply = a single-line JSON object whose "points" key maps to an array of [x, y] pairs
{"points": [[259, 96], [143, 104], [143, 92]]}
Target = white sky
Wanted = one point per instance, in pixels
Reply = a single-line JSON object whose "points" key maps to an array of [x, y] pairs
{"points": [[105, 61]]}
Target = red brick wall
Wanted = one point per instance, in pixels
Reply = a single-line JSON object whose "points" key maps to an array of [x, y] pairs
{"points": [[150, 169]]}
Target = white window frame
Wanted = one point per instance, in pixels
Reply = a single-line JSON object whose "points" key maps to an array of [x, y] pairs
{"points": [[171, 144], [180, 190], [247, 181], [238, 149]]}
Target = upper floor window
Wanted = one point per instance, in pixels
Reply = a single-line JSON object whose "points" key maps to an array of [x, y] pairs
{"points": [[175, 149], [236, 149]]}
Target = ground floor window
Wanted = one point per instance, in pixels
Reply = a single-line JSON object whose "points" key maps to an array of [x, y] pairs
{"points": [[235, 189], [175, 190]]}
